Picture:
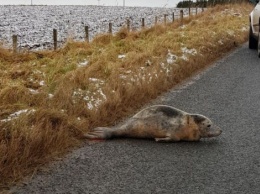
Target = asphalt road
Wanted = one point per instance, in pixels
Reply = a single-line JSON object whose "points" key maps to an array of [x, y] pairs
{"points": [[229, 93]]}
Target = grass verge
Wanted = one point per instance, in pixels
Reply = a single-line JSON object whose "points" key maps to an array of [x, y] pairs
{"points": [[49, 99]]}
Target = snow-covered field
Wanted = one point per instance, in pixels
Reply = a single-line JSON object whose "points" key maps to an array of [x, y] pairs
{"points": [[34, 24]]}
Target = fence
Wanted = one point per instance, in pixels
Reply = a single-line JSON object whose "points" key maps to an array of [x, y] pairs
{"points": [[180, 16]]}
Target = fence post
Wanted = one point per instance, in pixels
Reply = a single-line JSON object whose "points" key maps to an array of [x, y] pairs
{"points": [[156, 20], [110, 28], [143, 23], [196, 10], [173, 17], [87, 34], [189, 11], [181, 17], [165, 19], [15, 44], [55, 38], [128, 25]]}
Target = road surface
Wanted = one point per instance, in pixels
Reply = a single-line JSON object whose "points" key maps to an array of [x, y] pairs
{"points": [[229, 93]]}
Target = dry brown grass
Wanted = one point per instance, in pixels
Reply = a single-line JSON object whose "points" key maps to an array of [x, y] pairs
{"points": [[59, 101]]}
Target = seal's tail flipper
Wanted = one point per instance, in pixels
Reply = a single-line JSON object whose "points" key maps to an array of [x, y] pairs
{"points": [[99, 133]]}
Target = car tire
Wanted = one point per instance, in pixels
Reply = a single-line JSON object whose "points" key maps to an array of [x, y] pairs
{"points": [[253, 43], [258, 45]]}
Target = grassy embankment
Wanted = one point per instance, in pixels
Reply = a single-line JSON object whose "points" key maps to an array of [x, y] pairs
{"points": [[49, 99]]}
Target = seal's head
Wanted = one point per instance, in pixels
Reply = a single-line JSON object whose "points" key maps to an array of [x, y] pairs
{"points": [[206, 127]]}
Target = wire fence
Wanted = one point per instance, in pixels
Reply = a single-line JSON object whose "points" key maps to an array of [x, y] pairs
{"points": [[55, 43]]}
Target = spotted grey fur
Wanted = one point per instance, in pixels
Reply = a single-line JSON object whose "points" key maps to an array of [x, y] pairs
{"points": [[162, 123]]}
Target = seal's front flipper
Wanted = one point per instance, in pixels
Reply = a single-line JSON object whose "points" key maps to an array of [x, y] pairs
{"points": [[166, 139]]}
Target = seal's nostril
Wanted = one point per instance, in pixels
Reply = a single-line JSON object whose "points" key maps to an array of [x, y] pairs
{"points": [[209, 126]]}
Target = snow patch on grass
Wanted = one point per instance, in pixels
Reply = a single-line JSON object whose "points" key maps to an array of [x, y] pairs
{"points": [[17, 114], [84, 63], [171, 58], [121, 56]]}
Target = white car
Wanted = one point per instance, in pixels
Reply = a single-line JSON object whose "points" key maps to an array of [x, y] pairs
{"points": [[254, 18]]}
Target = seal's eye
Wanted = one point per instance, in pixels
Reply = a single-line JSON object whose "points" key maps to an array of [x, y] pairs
{"points": [[209, 126]]}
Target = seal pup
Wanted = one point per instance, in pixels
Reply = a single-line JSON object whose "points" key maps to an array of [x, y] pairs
{"points": [[162, 123]]}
